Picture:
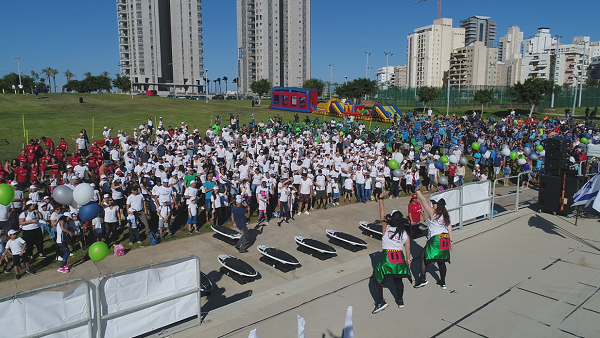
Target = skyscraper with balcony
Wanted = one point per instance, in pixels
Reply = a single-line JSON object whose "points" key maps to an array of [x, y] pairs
{"points": [[160, 44], [273, 42], [479, 28]]}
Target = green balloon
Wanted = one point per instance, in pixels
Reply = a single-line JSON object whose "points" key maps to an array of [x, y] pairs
{"points": [[444, 159], [475, 146], [521, 156], [513, 155], [393, 164], [98, 251], [539, 147], [584, 140], [7, 194]]}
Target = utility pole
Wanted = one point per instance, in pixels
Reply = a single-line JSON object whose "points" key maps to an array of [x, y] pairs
{"points": [[19, 67], [448, 89], [367, 71], [554, 72], [582, 72], [331, 65], [387, 66]]}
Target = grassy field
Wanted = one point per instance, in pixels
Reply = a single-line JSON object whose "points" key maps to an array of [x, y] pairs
{"points": [[61, 115]]}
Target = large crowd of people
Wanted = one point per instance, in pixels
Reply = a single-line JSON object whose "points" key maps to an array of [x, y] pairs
{"points": [[230, 171]]}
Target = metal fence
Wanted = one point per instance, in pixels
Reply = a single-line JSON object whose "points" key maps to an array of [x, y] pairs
{"points": [[463, 97]]}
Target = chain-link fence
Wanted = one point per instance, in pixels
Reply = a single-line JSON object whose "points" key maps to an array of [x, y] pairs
{"points": [[463, 97]]}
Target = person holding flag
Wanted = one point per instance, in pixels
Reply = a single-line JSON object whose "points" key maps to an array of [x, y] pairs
{"points": [[393, 262], [439, 243]]}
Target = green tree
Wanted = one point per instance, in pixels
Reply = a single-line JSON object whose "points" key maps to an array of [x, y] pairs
{"points": [[68, 75], [219, 81], [428, 94], [35, 75], [87, 74], [532, 91], [483, 96], [123, 83], [315, 84], [225, 78], [53, 73], [261, 87], [47, 73], [357, 88]]}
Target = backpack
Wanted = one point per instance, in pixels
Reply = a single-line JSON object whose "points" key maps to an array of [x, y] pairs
{"points": [[119, 250], [153, 239]]}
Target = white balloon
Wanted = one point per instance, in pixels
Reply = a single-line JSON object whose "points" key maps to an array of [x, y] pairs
{"points": [[443, 180], [487, 154], [463, 161], [542, 153], [453, 159], [83, 193], [521, 161], [533, 157], [63, 195], [526, 150], [398, 157], [505, 146], [506, 151]]}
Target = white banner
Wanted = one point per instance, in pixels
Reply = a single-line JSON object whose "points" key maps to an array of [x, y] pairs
{"points": [[472, 192], [125, 291], [37, 312]]}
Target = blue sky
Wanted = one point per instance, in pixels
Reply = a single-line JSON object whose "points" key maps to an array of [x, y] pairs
{"points": [[81, 35]]}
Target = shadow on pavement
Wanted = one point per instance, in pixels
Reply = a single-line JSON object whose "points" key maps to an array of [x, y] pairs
{"points": [[217, 297]]}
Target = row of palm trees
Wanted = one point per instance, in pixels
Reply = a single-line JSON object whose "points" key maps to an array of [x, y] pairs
{"points": [[51, 73], [218, 80]]}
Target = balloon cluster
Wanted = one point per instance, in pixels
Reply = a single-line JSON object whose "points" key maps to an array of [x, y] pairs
{"points": [[80, 198]]}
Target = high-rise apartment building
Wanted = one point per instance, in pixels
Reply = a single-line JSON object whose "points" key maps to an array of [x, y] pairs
{"points": [[473, 65], [510, 45], [538, 43], [160, 44], [428, 52], [385, 77], [479, 28], [400, 79], [273, 42]]}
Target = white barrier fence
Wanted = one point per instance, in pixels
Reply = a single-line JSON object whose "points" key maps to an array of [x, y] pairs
{"points": [[124, 304]]}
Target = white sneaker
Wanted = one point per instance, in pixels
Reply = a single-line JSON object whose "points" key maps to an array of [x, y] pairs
{"points": [[59, 259], [391, 197], [337, 203], [299, 213], [306, 212]]}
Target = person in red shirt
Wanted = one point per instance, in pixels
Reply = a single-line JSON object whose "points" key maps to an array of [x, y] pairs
{"points": [[34, 174], [415, 214], [23, 156], [59, 154], [64, 146], [48, 142], [3, 175], [22, 176], [54, 168], [451, 174], [31, 145], [31, 156]]}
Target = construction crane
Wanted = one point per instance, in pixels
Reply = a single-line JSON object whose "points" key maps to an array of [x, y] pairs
{"points": [[439, 7]]}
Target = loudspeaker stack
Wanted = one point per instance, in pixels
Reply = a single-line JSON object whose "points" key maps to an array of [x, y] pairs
{"points": [[558, 182]]}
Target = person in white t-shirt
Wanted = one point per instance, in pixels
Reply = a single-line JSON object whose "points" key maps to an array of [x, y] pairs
{"points": [[164, 217], [192, 221], [306, 193], [348, 188], [17, 246]]}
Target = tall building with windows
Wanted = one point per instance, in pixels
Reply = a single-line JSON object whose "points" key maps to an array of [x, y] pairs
{"points": [[479, 28], [510, 45], [273, 42], [428, 52], [160, 44]]}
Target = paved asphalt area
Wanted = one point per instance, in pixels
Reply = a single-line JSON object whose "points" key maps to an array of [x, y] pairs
{"points": [[519, 275]]}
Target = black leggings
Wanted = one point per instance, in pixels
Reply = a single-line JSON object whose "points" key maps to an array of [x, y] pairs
{"points": [[379, 288], [34, 238], [441, 267]]}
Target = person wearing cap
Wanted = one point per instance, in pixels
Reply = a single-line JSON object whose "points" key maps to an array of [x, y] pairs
{"points": [[32, 233], [17, 247], [3, 258], [437, 249], [133, 224], [81, 145], [240, 215], [16, 207], [395, 256], [192, 209], [64, 230]]}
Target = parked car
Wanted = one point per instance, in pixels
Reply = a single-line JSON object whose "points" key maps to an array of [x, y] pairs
{"points": [[231, 97], [202, 98], [171, 96], [218, 97]]}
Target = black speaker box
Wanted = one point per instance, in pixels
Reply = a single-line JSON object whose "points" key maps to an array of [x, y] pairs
{"points": [[550, 194]]}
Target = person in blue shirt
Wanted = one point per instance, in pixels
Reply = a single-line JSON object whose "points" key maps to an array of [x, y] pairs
{"points": [[208, 191]]}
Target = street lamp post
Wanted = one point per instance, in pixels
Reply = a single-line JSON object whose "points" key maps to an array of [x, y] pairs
{"points": [[331, 65], [206, 81], [367, 75], [237, 92], [346, 77], [448, 89], [554, 72], [582, 74], [19, 67]]}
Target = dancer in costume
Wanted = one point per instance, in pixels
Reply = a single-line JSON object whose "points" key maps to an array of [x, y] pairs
{"points": [[394, 263], [439, 243]]}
